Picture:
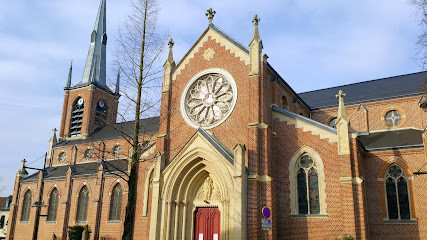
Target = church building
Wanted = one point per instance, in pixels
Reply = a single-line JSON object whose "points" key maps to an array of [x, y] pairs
{"points": [[231, 138]]}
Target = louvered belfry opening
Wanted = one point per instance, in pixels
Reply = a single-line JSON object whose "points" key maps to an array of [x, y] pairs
{"points": [[77, 117], [101, 113]]}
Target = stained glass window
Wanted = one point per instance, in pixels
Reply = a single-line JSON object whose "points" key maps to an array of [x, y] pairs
{"points": [[26, 206], [82, 204], [393, 118], [116, 203], [53, 205], [308, 186], [396, 186]]}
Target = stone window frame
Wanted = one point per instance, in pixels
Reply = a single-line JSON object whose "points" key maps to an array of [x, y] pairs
{"points": [[116, 154], [79, 204], [26, 206], [49, 209], [285, 104], [330, 120], [230, 79], [293, 168], [119, 206], [393, 108], [410, 183]]}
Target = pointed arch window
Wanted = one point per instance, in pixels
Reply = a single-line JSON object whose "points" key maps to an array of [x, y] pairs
{"points": [[307, 183], [284, 103], [101, 113], [116, 203], [308, 186], [397, 193], [26, 206], [82, 204], [77, 117], [53, 205]]}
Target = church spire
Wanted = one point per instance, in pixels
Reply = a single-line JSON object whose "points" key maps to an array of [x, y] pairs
{"points": [[69, 76], [94, 71]]}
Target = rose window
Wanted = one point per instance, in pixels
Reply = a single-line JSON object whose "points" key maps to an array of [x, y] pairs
{"points": [[209, 100], [393, 118]]}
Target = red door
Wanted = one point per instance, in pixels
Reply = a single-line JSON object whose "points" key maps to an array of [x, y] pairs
{"points": [[207, 222]]}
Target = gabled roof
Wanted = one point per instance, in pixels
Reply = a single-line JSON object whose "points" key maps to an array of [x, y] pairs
{"points": [[225, 40], [80, 169], [374, 90], [148, 126], [217, 144], [392, 139]]}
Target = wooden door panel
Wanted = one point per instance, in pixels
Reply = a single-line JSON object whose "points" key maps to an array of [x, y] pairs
{"points": [[207, 224]]}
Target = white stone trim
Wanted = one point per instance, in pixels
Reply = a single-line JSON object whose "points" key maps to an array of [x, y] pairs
{"points": [[332, 137], [229, 78], [293, 183], [242, 55]]}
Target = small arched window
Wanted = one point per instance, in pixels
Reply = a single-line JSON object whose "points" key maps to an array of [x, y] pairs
{"points": [[396, 186], [333, 123], [101, 114], [116, 203], [53, 205], [284, 103], [26, 206], [82, 204], [77, 117], [308, 187], [117, 150]]}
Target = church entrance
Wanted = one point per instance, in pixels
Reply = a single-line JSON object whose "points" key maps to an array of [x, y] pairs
{"points": [[207, 224]]}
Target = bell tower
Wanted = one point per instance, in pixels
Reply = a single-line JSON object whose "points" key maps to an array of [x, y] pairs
{"points": [[90, 104]]}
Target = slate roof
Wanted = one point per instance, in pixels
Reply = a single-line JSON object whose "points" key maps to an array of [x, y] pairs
{"points": [[392, 139], [80, 169], [374, 90], [148, 126]]}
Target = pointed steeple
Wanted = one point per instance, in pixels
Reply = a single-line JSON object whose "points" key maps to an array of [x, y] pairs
{"points": [[341, 107], [117, 92], [170, 55], [69, 76], [255, 49], [168, 68], [52, 142], [342, 126], [95, 68]]}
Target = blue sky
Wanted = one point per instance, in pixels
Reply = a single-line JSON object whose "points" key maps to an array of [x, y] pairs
{"points": [[312, 44]]}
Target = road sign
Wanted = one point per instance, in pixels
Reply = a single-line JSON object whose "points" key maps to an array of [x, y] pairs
{"points": [[266, 224], [266, 212]]}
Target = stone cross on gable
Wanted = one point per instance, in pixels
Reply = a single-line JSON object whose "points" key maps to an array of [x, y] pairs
{"points": [[54, 130], [340, 95], [210, 13], [256, 20], [171, 43]]}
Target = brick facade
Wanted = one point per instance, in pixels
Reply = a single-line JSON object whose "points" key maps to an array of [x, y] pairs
{"points": [[354, 200]]}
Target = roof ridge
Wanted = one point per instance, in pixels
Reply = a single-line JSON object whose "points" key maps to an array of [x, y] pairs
{"points": [[373, 80], [220, 31]]}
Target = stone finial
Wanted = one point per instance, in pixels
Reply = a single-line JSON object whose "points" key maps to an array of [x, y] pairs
{"points": [[341, 108], [255, 49], [210, 13], [342, 126], [22, 172], [256, 20], [170, 56]]}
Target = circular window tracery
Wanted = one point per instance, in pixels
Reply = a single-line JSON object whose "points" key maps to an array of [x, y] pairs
{"points": [[62, 156], [209, 99], [333, 123], [88, 154], [393, 118]]}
